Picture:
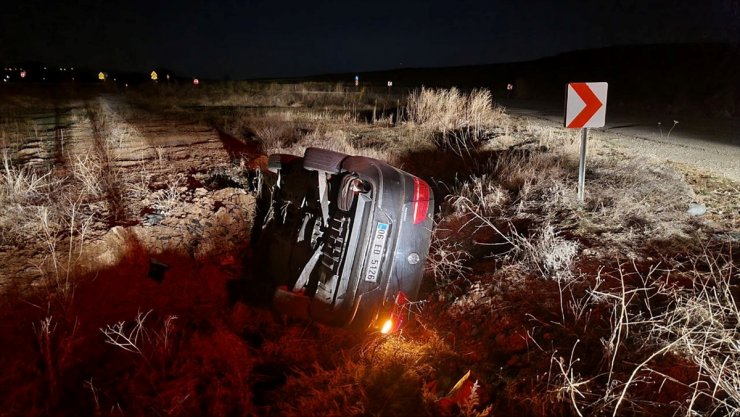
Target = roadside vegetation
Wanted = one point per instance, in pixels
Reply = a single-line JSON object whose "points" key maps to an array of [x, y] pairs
{"points": [[124, 253]]}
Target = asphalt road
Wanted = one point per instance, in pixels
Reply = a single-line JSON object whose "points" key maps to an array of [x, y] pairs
{"points": [[709, 144]]}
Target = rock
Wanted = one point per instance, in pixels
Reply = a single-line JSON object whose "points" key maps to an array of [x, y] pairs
{"points": [[154, 219], [696, 209]]}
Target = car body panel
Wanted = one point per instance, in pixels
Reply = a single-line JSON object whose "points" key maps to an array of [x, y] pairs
{"points": [[342, 261]]}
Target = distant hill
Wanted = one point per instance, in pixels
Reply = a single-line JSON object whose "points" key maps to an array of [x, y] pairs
{"points": [[675, 78]]}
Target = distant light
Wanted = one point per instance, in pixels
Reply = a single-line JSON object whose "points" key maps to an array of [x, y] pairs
{"points": [[44, 68], [5, 80], [23, 74], [61, 69], [114, 79], [153, 75], [73, 78], [72, 69], [101, 76], [387, 327], [126, 85], [168, 77], [196, 81], [43, 79], [390, 83]]}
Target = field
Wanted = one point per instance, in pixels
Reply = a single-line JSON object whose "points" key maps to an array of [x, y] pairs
{"points": [[127, 269]]}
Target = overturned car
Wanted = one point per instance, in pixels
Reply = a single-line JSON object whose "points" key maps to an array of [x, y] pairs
{"points": [[342, 239]]}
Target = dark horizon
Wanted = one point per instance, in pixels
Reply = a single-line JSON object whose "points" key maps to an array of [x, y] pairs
{"points": [[728, 47], [258, 39]]}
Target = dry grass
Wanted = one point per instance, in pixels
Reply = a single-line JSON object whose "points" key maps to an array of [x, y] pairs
{"points": [[450, 110], [455, 120], [483, 193], [548, 252], [654, 321], [638, 191], [87, 170], [447, 260], [327, 98], [335, 140], [519, 208], [21, 185], [386, 377], [168, 198], [702, 326]]}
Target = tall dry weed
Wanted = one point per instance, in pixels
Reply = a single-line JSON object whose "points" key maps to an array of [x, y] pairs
{"points": [[459, 120]]}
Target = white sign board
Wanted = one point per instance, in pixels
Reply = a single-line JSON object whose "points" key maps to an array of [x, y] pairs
{"points": [[585, 105]]}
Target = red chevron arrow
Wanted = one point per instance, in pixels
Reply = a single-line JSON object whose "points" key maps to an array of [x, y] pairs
{"points": [[593, 104]]}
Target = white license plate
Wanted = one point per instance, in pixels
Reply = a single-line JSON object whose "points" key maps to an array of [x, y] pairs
{"points": [[377, 249]]}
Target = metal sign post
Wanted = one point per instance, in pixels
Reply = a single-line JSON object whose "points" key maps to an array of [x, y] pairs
{"points": [[582, 164], [585, 106]]}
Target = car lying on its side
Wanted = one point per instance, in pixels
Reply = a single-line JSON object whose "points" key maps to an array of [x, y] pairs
{"points": [[342, 239]]}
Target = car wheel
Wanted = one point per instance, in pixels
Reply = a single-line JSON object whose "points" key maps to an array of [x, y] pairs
{"points": [[316, 159]]}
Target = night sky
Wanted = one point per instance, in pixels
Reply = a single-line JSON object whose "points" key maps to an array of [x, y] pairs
{"points": [[244, 39]]}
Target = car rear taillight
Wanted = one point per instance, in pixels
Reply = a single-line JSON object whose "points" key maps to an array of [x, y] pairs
{"points": [[395, 321], [421, 200], [387, 326]]}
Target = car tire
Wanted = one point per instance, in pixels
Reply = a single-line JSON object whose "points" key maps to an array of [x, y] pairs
{"points": [[316, 159]]}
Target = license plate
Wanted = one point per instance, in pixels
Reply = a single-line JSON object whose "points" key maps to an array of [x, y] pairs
{"points": [[377, 249]]}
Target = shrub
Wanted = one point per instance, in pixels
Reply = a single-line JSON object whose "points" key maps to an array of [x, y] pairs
{"points": [[459, 120]]}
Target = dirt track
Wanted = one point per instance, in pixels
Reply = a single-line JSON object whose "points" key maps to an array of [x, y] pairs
{"points": [[162, 186]]}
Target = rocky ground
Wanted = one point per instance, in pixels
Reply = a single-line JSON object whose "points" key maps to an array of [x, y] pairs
{"points": [[172, 190]]}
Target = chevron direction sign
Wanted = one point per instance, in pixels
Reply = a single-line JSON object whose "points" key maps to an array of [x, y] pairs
{"points": [[585, 105]]}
